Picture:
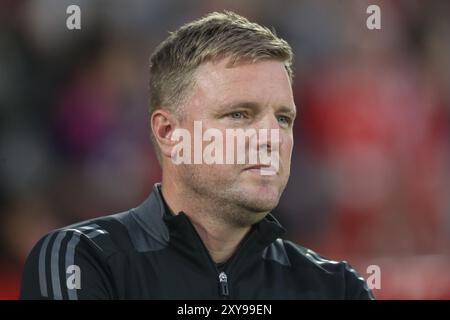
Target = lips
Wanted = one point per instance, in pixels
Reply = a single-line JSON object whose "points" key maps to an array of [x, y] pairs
{"points": [[265, 170]]}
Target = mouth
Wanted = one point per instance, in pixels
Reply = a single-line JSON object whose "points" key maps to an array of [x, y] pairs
{"points": [[263, 170]]}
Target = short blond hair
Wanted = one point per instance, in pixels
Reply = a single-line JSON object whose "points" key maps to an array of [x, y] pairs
{"points": [[214, 36]]}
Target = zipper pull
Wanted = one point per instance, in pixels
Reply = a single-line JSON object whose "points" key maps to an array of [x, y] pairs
{"points": [[223, 281]]}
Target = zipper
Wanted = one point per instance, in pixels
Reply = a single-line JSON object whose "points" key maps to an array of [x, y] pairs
{"points": [[224, 291], [241, 251], [223, 284], [223, 278]]}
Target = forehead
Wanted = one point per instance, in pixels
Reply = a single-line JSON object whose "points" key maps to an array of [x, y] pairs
{"points": [[265, 82]]}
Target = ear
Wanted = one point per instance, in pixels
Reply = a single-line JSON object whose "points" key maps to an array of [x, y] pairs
{"points": [[163, 123]]}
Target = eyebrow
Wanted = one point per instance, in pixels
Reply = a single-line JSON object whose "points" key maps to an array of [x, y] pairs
{"points": [[254, 105], [291, 111]]}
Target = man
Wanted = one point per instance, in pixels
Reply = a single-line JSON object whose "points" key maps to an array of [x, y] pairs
{"points": [[205, 232]]}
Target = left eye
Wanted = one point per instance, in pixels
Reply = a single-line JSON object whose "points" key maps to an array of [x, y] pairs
{"points": [[236, 115], [284, 120]]}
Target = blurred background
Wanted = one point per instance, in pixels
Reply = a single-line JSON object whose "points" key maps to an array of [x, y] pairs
{"points": [[370, 179]]}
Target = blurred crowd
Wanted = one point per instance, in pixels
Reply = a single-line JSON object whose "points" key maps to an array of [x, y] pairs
{"points": [[370, 177]]}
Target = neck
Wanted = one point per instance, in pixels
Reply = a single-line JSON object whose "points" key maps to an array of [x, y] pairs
{"points": [[220, 239]]}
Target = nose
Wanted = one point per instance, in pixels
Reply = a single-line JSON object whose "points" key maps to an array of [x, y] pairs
{"points": [[268, 131], [268, 121]]}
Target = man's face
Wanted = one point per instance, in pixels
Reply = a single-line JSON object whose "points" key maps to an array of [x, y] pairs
{"points": [[246, 96]]}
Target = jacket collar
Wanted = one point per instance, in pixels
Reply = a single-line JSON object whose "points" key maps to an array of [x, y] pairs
{"points": [[164, 227]]}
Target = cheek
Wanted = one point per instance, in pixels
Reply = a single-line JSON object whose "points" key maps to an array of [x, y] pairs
{"points": [[286, 146]]}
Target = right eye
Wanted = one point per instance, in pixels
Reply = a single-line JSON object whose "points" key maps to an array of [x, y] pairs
{"points": [[236, 115]]}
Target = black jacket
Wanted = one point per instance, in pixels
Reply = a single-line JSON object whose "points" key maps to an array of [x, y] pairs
{"points": [[148, 253]]}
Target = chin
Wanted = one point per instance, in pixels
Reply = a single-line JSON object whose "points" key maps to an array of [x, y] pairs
{"points": [[264, 194], [260, 198]]}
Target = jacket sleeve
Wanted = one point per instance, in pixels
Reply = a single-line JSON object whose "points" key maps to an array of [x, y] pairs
{"points": [[355, 285], [67, 265]]}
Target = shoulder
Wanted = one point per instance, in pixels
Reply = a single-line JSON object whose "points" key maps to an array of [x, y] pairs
{"points": [[309, 258], [104, 234], [60, 257], [97, 238], [337, 274]]}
